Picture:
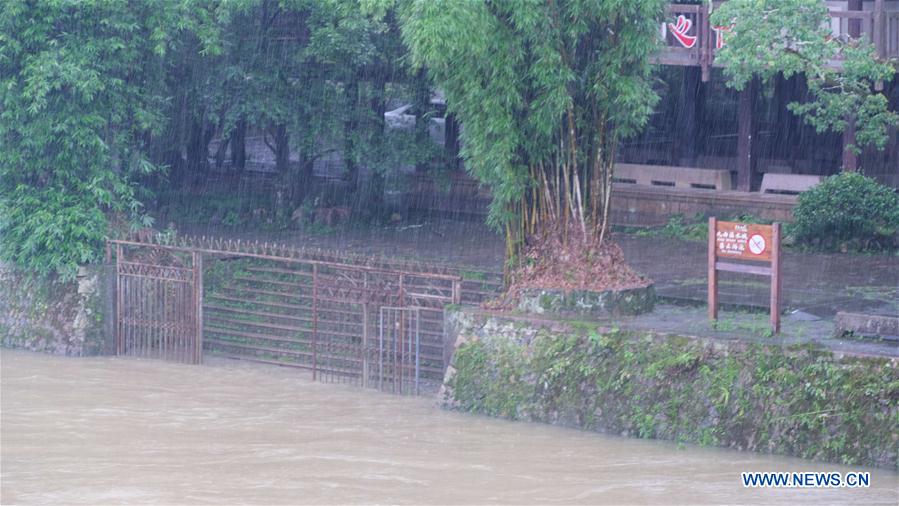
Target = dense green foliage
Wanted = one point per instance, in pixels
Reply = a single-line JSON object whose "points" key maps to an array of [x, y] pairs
{"points": [[108, 106], [545, 91], [801, 401], [770, 37], [311, 76], [81, 91], [847, 211], [104, 104]]}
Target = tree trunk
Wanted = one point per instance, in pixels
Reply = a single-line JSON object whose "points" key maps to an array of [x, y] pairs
{"points": [[301, 182], [350, 127], [378, 102], [239, 145], [198, 147], [421, 105], [373, 194], [220, 152], [282, 150], [850, 156], [451, 143]]}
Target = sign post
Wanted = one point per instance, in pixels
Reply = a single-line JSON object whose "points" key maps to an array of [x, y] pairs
{"points": [[744, 241]]}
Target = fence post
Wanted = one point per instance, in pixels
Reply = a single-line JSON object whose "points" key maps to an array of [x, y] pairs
{"points": [[399, 334], [776, 279], [381, 349], [365, 330], [365, 353], [417, 351], [713, 272], [119, 331], [198, 307], [314, 321]]}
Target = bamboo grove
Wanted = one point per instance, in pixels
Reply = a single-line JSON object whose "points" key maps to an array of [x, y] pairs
{"points": [[545, 91]]}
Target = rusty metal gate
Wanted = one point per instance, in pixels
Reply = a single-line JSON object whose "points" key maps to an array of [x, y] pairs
{"points": [[369, 322], [159, 309], [398, 366]]}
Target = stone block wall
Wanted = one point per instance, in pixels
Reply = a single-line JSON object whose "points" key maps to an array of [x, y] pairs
{"points": [[51, 316], [801, 401]]}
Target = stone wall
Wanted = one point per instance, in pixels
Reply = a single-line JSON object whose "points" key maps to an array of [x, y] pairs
{"points": [[630, 301], [800, 401], [50, 316]]}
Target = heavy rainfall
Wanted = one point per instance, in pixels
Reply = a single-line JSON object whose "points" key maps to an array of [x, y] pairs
{"points": [[449, 252]]}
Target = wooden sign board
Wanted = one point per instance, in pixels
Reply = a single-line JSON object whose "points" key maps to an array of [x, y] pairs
{"points": [[744, 241]]}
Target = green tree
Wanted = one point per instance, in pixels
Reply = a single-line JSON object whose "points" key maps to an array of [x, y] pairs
{"points": [[83, 93], [106, 102], [310, 75], [768, 37], [545, 91]]}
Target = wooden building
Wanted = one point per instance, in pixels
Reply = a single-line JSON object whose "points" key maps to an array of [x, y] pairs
{"points": [[701, 123], [711, 150]]}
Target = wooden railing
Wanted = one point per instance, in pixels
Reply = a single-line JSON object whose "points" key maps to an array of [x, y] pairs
{"points": [[692, 40]]}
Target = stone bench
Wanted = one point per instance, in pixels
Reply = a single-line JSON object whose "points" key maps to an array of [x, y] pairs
{"points": [[677, 177], [866, 325], [791, 184]]}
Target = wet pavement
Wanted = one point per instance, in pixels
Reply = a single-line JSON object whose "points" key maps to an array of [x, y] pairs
{"points": [[732, 325], [815, 285]]}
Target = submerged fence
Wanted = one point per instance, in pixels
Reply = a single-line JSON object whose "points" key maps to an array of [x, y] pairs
{"points": [[360, 320]]}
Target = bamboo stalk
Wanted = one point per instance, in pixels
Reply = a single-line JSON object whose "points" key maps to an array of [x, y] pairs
{"points": [[580, 205], [548, 195], [608, 193]]}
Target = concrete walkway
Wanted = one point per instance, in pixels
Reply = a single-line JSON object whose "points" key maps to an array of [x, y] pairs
{"points": [[732, 325], [815, 285], [737, 325]]}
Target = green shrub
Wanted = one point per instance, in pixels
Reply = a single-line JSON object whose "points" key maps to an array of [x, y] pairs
{"points": [[50, 230], [847, 211], [696, 228]]}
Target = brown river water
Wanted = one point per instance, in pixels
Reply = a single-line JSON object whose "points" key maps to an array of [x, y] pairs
{"points": [[114, 430]]}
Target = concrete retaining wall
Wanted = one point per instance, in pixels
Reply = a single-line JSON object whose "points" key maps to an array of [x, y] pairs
{"points": [[631, 301], [799, 401]]}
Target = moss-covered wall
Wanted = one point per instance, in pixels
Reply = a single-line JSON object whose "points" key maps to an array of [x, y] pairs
{"points": [[47, 315], [804, 402]]}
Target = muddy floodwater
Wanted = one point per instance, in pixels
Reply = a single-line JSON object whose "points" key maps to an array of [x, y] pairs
{"points": [[113, 430]]}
